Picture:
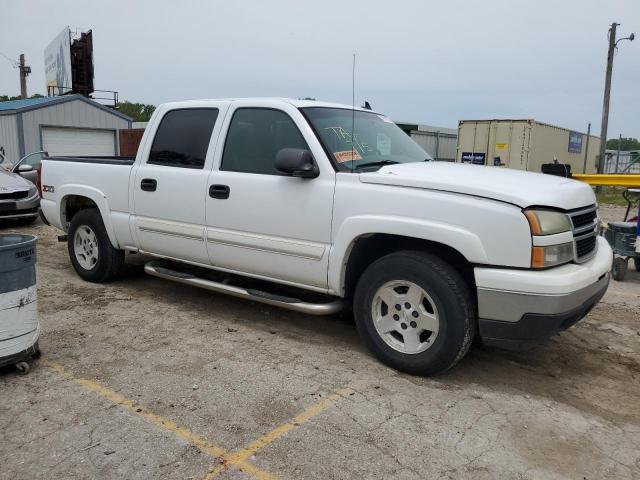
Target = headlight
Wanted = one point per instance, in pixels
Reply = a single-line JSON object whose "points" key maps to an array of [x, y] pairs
{"points": [[547, 222], [542, 257], [32, 191]]}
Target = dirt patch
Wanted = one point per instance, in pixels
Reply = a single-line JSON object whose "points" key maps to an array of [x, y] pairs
{"points": [[231, 371]]}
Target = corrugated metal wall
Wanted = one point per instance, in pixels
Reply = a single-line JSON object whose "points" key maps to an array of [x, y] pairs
{"points": [[549, 141], [523, 144], [440, 145], [76, 113], [9, 137]]}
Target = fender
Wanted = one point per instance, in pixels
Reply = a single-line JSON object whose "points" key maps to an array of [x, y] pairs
{"points": [[462, 240], [98, 197]]}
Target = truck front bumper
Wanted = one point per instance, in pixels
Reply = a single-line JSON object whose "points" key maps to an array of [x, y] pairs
{"points": [[521, 307]]}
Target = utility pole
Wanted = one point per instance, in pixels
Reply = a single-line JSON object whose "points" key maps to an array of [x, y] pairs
{"points": [[24, 73], [607, 92]]}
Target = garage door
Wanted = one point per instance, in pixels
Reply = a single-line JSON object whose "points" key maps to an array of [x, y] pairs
{"points": [[78, 141]]}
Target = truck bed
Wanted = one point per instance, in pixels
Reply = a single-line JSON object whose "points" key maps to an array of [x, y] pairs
{"points": [[105, 180]]}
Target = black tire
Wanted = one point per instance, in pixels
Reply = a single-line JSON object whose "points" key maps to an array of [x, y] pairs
{"points": [[619, 268], [110, 260], [636, 262], [450, 294]]}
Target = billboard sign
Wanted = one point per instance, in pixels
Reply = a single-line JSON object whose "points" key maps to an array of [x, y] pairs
{"points": [[57, 64], [473, 157], [575, 142]]}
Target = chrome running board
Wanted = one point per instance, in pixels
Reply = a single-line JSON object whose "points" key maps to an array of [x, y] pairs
{"points": [[157, 269]]}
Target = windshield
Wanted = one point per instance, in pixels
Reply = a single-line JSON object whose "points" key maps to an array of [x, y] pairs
{"points": [[377, 140]]}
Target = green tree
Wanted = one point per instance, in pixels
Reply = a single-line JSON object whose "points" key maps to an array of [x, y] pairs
{"points": [[627, 144], [6, 98], [140, 112]]}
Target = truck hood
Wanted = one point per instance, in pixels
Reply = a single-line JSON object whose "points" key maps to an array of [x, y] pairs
{"points": [[10, 182], [524, 189]]}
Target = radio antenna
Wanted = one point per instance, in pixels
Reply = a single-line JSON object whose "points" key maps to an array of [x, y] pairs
{"points": [[353, 110]]}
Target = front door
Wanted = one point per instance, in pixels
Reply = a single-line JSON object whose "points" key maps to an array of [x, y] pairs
{"points": [[260, 221], [170, 184]]}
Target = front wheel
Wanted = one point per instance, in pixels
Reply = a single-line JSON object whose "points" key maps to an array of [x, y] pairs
{"points": [[415, 312], [90, 250], [619, 268]]}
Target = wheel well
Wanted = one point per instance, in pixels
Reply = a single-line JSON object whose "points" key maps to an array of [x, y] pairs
{"points": [[367, 249], [72, 204]]}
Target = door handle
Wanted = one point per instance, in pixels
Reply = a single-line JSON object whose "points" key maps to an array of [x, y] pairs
{"points": [[148, 184], [219, 191]]}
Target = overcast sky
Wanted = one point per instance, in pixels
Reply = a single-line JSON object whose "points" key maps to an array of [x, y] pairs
{"points": [[432, 62]]}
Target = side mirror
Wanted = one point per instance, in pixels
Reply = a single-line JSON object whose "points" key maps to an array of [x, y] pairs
{"points": [[296, 162], [23, 168]]}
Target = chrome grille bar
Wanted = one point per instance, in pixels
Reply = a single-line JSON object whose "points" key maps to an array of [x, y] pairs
{"points": [[584, 223]]}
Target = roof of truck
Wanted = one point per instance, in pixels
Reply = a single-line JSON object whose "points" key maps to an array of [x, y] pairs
{"points": [[292, 101]]}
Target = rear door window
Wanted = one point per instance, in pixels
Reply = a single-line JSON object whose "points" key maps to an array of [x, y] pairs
{"points": [[183, 137]]}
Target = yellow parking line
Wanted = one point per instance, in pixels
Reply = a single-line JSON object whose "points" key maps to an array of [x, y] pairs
{"points": [[239, 458], [181, 432]]}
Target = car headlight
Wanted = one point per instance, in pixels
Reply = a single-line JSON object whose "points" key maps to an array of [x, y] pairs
{"points": [[549, 256], [32, 191], [549, 222]]}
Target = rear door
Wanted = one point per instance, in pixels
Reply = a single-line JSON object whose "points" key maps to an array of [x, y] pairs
{"points": [[170, 185], [260, 221]]}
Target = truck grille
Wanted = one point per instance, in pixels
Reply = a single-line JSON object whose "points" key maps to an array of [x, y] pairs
{"points": [[585, 231], [14, 195]]}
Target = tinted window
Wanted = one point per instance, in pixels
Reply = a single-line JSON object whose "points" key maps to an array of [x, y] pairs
{"points": [[255, 136], [183, 137]]}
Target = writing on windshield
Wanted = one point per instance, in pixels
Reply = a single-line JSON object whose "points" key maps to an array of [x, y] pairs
{"points": [[359, 140]]}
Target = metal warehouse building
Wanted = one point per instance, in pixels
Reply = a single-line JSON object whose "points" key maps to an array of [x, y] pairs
{"points": [[439, 142], [63, 125]]}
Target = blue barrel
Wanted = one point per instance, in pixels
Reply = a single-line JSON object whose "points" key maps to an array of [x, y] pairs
{"points": [[19, 327]]}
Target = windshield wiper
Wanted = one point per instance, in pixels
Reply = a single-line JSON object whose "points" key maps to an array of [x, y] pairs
{"points": [[379, 163]]}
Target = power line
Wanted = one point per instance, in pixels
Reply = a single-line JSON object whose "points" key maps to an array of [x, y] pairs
{"points": [[14, 64]]}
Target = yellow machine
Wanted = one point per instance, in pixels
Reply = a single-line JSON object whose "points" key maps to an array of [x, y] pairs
{"points": [[610, 180]]}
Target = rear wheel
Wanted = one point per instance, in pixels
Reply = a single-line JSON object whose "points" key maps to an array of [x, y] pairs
{"points": [[415, 312], [636, 262], [619, 268], [90, 250]]}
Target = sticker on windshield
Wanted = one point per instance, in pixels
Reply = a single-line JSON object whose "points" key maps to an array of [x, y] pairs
{"points": [[385, 119], [383, 144], [347, 156]]}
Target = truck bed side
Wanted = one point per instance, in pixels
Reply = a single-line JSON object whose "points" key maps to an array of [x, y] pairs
{"points": [[69, 182]]}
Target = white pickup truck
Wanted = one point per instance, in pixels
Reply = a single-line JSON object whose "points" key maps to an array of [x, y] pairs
{"points": [[314, 206]]}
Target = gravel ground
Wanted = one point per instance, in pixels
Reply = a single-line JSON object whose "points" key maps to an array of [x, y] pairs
{"points": [[143, 378]]}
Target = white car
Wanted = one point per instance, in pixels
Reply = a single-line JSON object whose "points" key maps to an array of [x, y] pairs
{"points": [[19, 197], [315, 206]]}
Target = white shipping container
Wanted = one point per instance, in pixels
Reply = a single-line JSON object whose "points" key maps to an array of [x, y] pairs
{"points": [[524, 145]]}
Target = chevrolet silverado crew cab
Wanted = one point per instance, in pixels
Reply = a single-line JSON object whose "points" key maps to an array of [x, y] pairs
{"points": [[315, 207]]}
